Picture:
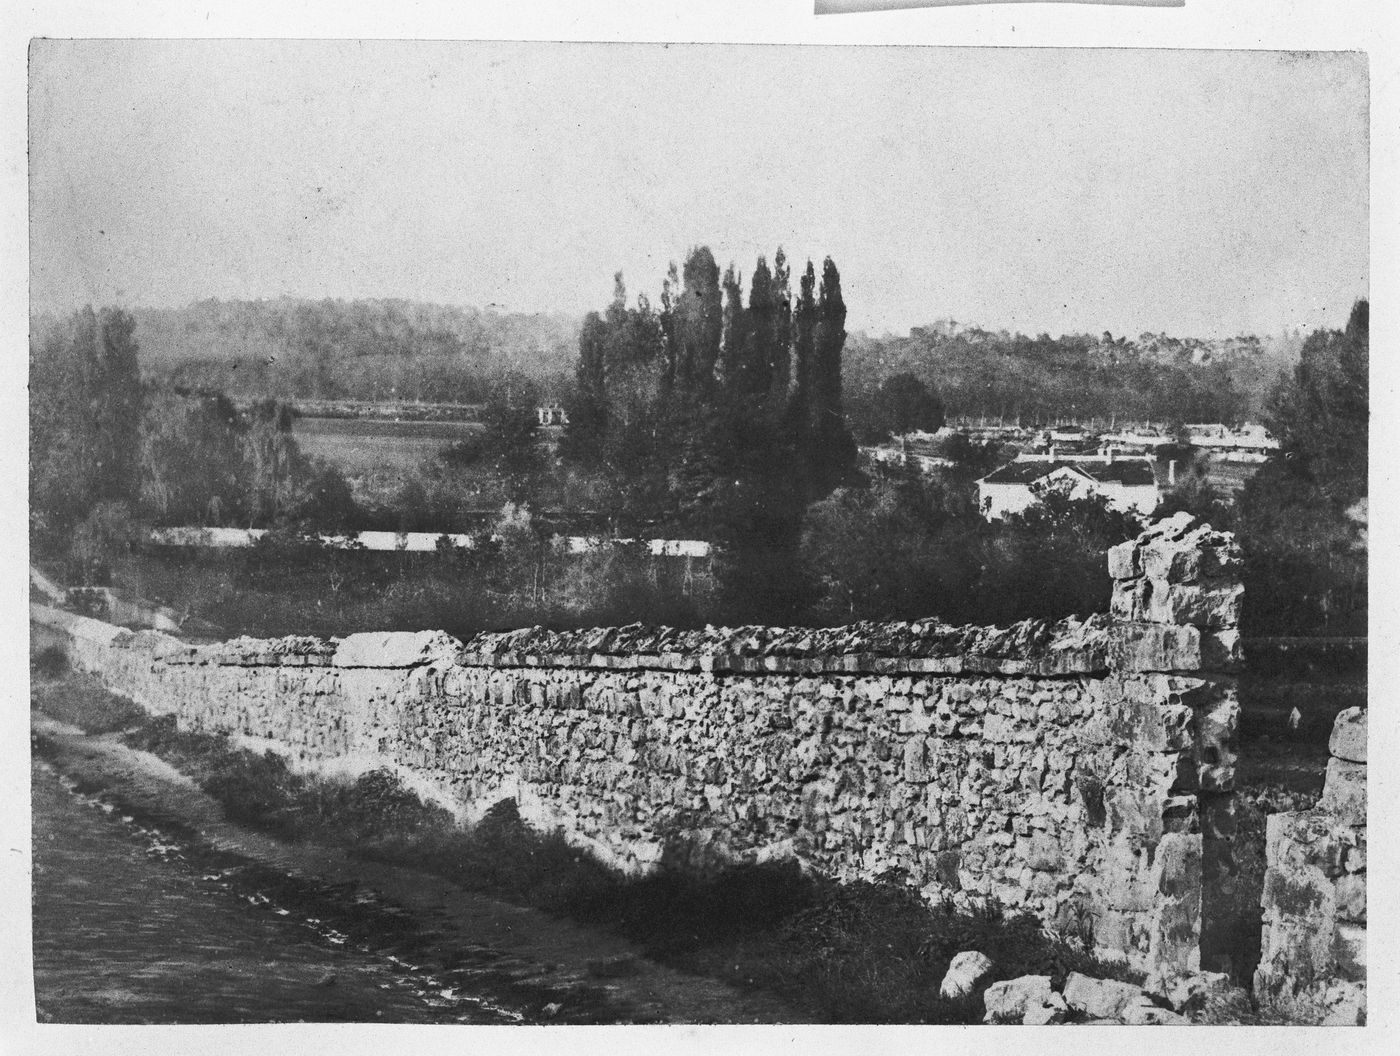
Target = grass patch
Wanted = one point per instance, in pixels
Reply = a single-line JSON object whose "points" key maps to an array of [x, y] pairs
{"points": [[80, 700], [49, 663], [262, 791]]}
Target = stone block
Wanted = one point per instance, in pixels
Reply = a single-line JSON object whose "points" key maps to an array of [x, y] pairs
{"points": [[1044, 854], [1123, 561], [1346, 1004], [1171, 562], [1047, 1014], [1211, 605], [965, 972], [1345, 791], [1145, 1013], [1200, 553], [1188, 992], [1295, 893], [1101, 998], [1171, 528], [394, 649], [1009, 1000], [1134, 812], [1142, 646], [1354, 857], [1350, 897], [1348, 739], [1131, 600], [946, 865], [1220, 651], [1349, 950]]}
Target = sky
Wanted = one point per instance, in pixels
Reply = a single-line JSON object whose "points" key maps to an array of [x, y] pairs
{"points": [[1202, 193]]}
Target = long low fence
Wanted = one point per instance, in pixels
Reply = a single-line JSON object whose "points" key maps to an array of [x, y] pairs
{"points": [[1073, 770]]}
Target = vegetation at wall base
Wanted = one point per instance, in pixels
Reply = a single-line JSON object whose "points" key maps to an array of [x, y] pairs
{"points": [[78, 699]]}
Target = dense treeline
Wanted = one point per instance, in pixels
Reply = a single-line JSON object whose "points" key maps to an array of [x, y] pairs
{"points": [[333, 349], [718, 417], [1011, 376], [719, 414]]}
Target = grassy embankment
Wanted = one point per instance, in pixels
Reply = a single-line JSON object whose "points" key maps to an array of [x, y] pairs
{"points": [[871, 953]]}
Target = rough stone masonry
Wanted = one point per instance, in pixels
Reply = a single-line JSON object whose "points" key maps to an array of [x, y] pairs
{"points": [[1314, 939], [1073, 770]]}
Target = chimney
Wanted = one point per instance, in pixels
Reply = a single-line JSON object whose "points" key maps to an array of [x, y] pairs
{"points": [[1171, 473], [1052, 452], [1110, 454]]}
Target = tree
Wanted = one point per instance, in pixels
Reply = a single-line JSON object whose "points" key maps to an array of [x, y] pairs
{"points": [[1321, 415], [699, 323], [901, 404], [739, 374], [780, 295], [85, 415], [761, 337], [510, 421], [192, 460], [830, 451], [274, 464], [804, 322], [587, 405], [105, 535], [1305, 569]]}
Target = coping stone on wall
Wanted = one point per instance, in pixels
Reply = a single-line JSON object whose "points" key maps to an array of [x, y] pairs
{"points": [[396, 649], [1031, 647], [291, 651]]}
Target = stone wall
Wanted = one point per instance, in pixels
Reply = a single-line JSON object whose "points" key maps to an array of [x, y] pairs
{"points": [[1314, 941], [1064, 769]]}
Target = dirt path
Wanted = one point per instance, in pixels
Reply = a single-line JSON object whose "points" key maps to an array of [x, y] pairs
{"points": [[537, 951]]}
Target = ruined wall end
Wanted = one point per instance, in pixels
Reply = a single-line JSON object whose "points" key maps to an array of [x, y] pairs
{"points": [[1314, 899]]}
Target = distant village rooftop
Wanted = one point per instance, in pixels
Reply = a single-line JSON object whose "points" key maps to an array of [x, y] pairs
{"points": [[1128, 471], [1127, 483]]}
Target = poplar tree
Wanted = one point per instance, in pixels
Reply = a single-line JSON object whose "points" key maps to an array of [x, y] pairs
{"points": [[781, 360], [804, 321], [762, 332], [735, 366], [669, 319], [700, 323], [831, 450]]}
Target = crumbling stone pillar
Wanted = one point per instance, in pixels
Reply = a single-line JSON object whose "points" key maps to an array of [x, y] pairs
{"points": [[1315, 888], [1176, 608]]}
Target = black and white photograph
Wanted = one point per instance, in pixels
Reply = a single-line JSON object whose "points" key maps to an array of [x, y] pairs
{"points": [[549, 533]]}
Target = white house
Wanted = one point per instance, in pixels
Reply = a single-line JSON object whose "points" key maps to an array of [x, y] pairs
{"points": [[1128, 484]]}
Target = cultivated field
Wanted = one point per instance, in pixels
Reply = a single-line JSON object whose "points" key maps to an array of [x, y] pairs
{"points": [[363, 447]]}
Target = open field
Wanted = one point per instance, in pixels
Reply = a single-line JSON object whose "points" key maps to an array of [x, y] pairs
{"points": [[363, 446]]}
